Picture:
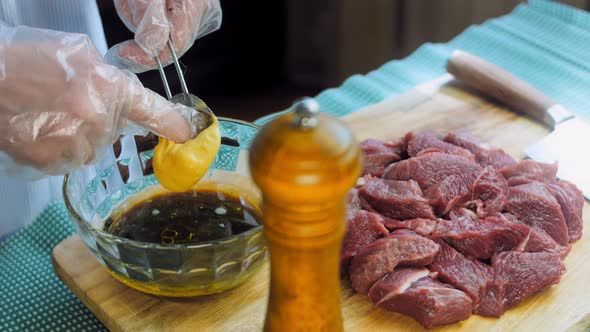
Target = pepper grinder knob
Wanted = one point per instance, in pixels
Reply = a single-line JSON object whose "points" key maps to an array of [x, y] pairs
{"points": [[306, 110]]}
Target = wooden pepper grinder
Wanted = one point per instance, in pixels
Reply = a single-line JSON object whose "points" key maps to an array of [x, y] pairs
{"points": [[304, 162]]}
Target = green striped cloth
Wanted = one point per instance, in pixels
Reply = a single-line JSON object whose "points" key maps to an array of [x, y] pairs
{"points": [[545, 43]]}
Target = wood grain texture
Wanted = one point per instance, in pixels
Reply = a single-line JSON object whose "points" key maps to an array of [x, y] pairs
{"points": [[439, 106], [502, 85]]}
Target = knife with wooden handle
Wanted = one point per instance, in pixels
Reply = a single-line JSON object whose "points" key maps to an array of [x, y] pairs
{"points": [[568, 130]]}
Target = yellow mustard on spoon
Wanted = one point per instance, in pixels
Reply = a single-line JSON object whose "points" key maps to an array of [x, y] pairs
{"points": [[179, 166]]}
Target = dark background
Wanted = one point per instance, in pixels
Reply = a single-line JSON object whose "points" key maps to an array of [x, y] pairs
{"points": [[238, 70]]}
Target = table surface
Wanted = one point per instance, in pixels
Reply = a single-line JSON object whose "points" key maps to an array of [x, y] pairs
{"points": [[427, 107]]}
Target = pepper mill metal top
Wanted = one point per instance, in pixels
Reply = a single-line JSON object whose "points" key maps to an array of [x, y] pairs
{"points": [[306, 111]]}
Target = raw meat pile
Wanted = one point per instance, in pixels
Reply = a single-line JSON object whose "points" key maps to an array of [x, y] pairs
{"points": [[440, 229]]}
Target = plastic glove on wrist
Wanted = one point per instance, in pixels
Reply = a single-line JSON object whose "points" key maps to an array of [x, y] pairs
{"points": [[154, 22], [61, 105]]}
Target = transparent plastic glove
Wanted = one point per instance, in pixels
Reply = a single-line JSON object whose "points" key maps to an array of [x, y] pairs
{"points": [[156, 21], [61, 105]]}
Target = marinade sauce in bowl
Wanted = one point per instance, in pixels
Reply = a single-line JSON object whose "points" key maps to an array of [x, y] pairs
{"points": [[188, 217]]}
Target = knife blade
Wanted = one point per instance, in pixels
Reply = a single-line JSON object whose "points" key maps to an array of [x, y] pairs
{"points": [[569, 133]]}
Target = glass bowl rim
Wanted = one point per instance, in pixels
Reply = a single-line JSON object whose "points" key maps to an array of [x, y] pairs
{"points": [[96, 232]]}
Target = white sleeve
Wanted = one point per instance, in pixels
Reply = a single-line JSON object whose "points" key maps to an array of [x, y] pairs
{"points": [[81, 16], [22, 201]]}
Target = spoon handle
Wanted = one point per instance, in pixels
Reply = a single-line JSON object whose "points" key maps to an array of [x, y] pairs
{"points": [[163, 77], [183, 86]]}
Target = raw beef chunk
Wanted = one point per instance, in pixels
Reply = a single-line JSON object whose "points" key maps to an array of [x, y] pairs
{"points": [[539, 241], [534, 204], [375, 164], [518, 275], [413, 293], [481, 238], [396, 282], [536, 240], [419, 225], [485, 188], [518, 180], [362, 229], [420, 141], [495, 158], [571, 200], [401, 247], [378, 155], [353, 202], [396, 199], [370, 146], [466, 273], [430, 168], [489, 192], [464, 139], [452, 191], [529, 170]]}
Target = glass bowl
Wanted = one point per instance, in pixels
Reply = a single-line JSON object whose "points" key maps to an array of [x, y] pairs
{"points": [[93, 193]]}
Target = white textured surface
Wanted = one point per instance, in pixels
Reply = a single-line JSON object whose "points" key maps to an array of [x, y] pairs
{"points": [[21, 201]]}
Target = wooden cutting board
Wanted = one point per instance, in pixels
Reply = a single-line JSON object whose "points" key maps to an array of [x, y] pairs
{"points": [[439, 105]]}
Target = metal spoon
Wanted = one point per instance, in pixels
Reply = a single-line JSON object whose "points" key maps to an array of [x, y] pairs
{"points": [[202, 118]]}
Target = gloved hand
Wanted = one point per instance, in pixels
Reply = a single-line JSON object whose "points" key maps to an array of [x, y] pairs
{"points": [[156, 21], [61, 105]]}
